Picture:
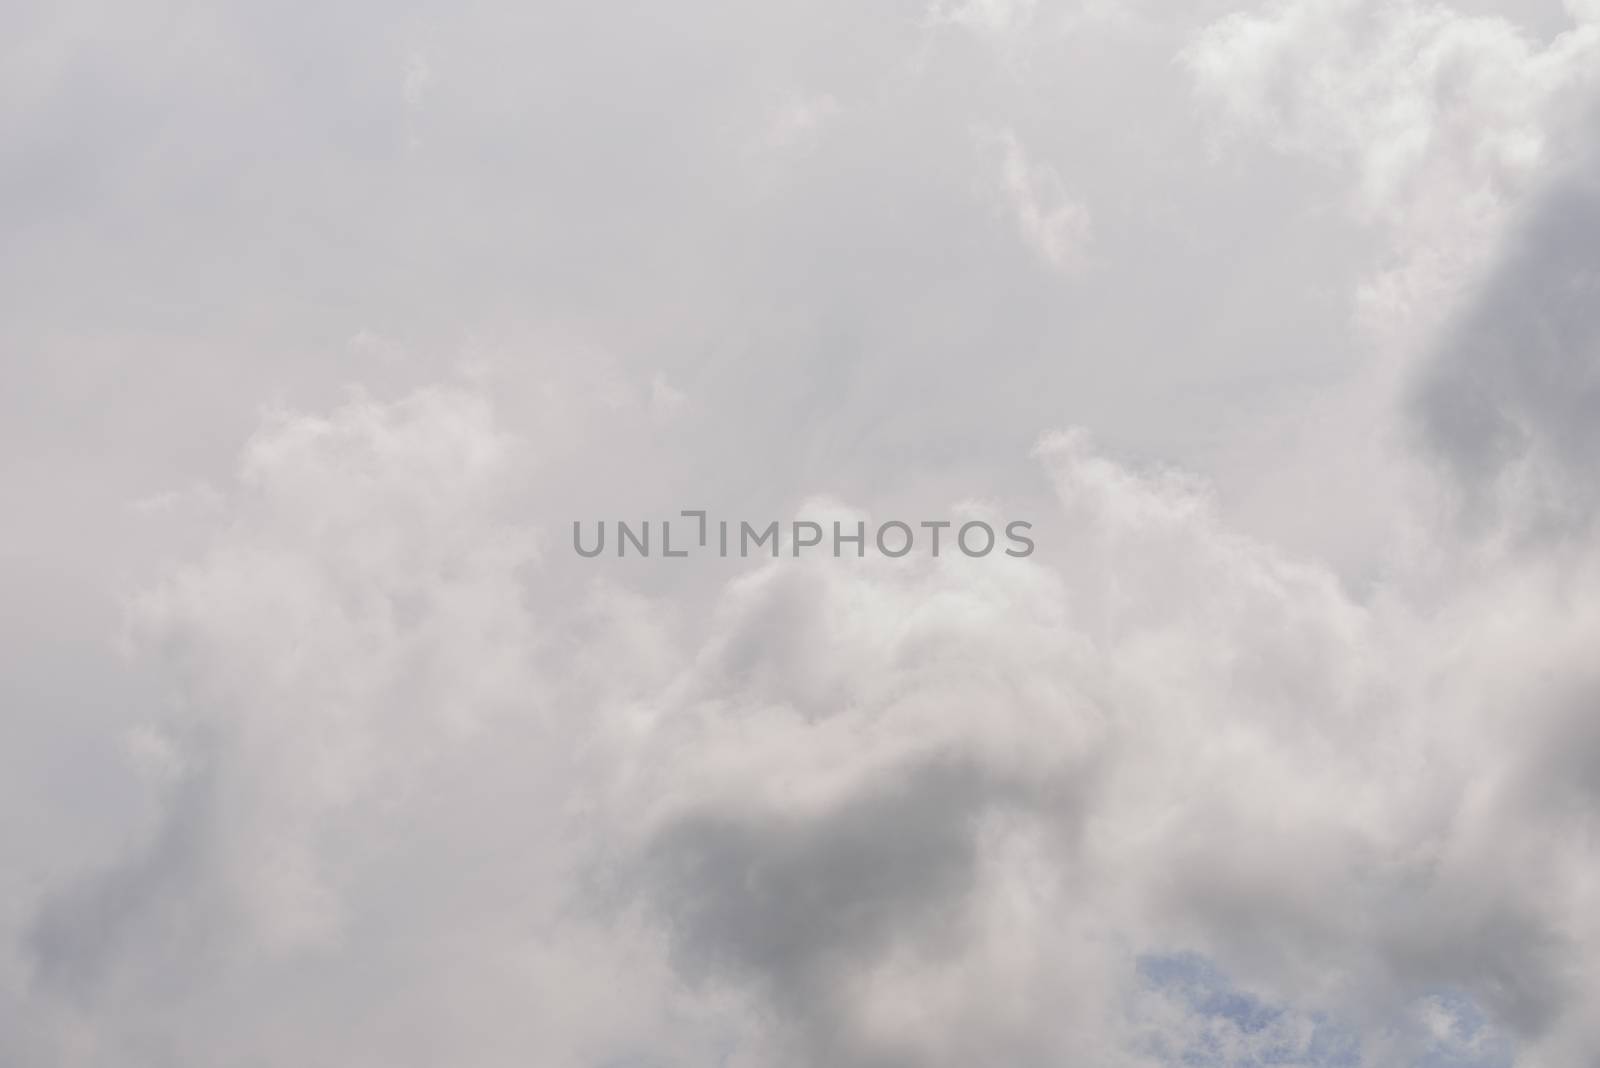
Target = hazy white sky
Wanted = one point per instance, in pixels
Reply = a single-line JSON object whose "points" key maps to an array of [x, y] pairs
{"points": [[319, 324]]}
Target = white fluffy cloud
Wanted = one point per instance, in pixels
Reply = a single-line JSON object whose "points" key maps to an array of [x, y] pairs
{"points": [[1444, 118]]}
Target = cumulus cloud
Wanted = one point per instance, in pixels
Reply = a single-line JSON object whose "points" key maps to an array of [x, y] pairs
{"points": [[865, 812], [341, 610], [1444, 119]]}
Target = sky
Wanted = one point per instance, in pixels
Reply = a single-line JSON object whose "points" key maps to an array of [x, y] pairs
{"points": [[321, 324]]}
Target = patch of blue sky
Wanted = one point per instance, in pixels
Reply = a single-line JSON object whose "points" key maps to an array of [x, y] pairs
{"points": [[1208, 1022]]}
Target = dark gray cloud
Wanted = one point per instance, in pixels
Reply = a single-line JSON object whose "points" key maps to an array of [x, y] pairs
{"points": [[798, 904], [1510, 402], [137, 911]]}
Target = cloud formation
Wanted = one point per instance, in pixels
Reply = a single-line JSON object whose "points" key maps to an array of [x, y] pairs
{"points": [[866, 812], [386, 776]]}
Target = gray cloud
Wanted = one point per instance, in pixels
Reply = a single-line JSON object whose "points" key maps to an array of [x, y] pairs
{"points": [[797, 904], [1510, 404]]}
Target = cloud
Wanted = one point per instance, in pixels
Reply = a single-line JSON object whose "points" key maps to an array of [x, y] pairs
{"points": [[1510, 401], [862, 812], [1053, 225], [390, 778], [885, 784], [1444, 120], [332, 635], [419, 76], [799, 121], [991, 16]]}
